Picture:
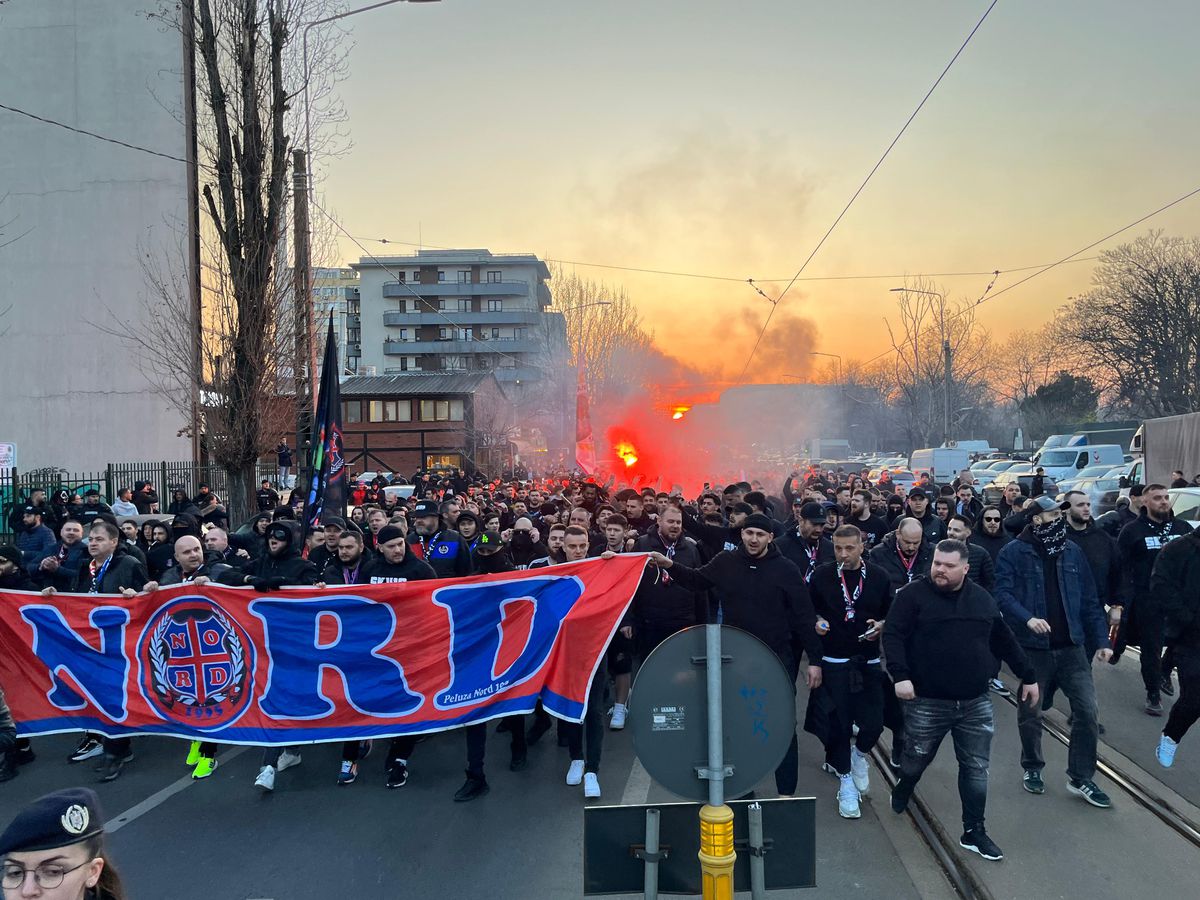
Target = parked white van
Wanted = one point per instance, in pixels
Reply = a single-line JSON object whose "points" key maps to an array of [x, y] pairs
{"points": [[944, 463], [1065, 462]]}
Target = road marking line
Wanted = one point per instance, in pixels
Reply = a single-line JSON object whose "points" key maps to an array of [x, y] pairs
{"points": [[637, 787], [158, 798]]}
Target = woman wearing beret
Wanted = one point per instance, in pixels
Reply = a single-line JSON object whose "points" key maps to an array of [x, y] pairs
{"points": [[54, 850]]}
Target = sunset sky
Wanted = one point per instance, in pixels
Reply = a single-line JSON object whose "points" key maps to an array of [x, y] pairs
{"points": [[723, 138]]}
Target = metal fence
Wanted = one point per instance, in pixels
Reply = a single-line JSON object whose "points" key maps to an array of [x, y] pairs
{"points": [[16, 486]]}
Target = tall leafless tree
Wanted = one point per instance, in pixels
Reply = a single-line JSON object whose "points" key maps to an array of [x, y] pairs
{"points": [[1139, 326]]}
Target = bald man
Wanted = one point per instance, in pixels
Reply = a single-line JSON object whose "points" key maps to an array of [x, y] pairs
{"points": [[190, 568]]}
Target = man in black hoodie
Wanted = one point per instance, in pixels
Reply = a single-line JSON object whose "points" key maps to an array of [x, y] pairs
{"points": [[1175, 584], [939, 641], [921, 509], [806, 544], [757, 589], [1101, 552], [1138, 548], [989, 533], [851, 598]]}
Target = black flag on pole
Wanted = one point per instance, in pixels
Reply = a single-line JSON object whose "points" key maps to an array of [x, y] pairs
{"points": [[327, 495]]}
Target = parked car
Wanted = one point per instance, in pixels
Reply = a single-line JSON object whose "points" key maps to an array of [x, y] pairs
{"points": [[903, 479], [1102, 492], [1185, 503], [1091, 472], [995, 490], [399, 491]]}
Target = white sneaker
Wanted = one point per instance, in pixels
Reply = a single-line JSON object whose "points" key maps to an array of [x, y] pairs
{"points": [[287, 759], [860, 771], [266, 778], [575, 773], [591, 786], [618, 717], [847, 798], [829, 770]]}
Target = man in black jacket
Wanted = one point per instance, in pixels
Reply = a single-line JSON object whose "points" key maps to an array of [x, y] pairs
{"points": [[1101, 552], [989, 533], [872, 527], [806, 544], [904, 553], [920, 508], [980, 568], [851, 598], [1138, 547], [939, 641], [662, 606], [1175, 584], [756, 589]]}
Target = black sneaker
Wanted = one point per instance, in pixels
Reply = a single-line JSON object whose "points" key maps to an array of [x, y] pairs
{"points": [[1032, 781], [88, 748], [397, 775], [471, 789], [1089, 792], [896, 754], [23, 752], [537, 730], [1154, 704], [901, 794], [977, 841], [112, 767], [1167, 685]]}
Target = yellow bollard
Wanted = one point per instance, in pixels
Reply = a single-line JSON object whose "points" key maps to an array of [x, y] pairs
{"points": [[716, 852]]}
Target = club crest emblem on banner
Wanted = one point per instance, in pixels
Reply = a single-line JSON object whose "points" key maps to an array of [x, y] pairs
{"points": [[196, 662]]}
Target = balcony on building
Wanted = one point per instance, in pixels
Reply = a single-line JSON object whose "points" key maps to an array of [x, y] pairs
{"points": [[491, 345], [457, 289], [505, 317]]}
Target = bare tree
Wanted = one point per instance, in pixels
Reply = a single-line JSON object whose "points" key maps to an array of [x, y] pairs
{"points": [[1139, 326], [926, 319]]}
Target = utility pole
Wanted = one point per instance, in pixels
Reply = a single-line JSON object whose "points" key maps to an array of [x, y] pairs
{"points": [[195, 296], [302, 317], [948, 383]]}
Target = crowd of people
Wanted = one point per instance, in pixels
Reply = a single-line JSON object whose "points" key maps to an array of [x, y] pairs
{"points": [[896, 608]]}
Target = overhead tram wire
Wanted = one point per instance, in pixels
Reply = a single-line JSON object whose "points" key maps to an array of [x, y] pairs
{"points": [[733, 278], [1066, 259], [775, 303], [401, 281]]}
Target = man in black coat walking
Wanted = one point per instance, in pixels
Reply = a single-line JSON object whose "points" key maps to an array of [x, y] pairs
{"points": [[756, 589]]}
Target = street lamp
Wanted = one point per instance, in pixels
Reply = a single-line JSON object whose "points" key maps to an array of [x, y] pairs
{"points": [[838, 370], [948, 377]]}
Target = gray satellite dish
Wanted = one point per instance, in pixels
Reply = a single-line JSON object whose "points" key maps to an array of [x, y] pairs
{"points": [[668, 712]]}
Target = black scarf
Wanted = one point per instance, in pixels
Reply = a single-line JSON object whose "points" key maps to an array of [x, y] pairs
{"points": [[1051, 535]]}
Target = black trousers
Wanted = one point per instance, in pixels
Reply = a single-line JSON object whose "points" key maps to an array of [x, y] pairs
{"points": [[858, 700], [591, 730], [1186, 709], [477, 743]]}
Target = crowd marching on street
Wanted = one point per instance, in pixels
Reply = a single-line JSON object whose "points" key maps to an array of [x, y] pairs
{"points": [[895, 610]]}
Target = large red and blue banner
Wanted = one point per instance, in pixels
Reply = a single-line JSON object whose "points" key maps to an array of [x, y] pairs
{"points": [[233, 665]]}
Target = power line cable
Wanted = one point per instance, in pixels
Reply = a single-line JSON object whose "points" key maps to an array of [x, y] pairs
{"points": [[1068, 258], [403, 283], [861, 187], [734, 278], [91, 134]]}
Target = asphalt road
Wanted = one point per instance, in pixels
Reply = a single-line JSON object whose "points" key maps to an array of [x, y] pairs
{"points": [[221, 838]]}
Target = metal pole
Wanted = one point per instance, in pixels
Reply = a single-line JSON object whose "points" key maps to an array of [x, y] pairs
{"points": [[716, 819], [758, 882], [302, 316], [650, 889], [948, 379]]}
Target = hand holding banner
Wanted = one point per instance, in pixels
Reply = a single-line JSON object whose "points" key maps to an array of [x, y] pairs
{"points": [[235, 666]]}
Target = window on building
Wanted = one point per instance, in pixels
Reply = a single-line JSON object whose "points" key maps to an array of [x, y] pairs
{"points": [[427, 411], [495, 306], [454, 363], [445, 305], [494, 277], [464, 305], [464, 276], [507, 362], [402, 274], [463, 334], [441, 275], [456, 410], [351, 412], [375, 411], [416, 278], [495, 334], [404, 334], [403, 410]]}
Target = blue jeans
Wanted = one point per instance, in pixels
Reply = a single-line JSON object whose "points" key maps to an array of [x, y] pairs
{"points": [[1070, 669], [969, 723]]}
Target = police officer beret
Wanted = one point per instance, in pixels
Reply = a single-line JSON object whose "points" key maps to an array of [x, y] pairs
{"points": [[56, 820], [388, 533], [427, 508]]}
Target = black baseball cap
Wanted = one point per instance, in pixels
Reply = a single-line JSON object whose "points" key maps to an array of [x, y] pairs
{"points": [[813, 512], [489, 542], [1045, 503], [427, 508]]}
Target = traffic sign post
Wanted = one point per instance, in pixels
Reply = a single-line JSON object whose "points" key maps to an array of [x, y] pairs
{"points": [[748, 721]]}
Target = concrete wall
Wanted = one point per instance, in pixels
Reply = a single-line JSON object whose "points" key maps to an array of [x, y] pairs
{"points": [[75, 396]]}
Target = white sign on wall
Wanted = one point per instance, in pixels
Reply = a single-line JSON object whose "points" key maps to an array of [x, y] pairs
{"points": [[8, 457]]}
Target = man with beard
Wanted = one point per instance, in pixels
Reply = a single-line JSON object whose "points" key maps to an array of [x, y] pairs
{"points": [[1012, 500], [710, 509], [851, 598], [980, 568], [939, 641], [1044, 588], [1137, 548], [281, 566], [873, 529], [444, 549], [34, 540], [759, 590], [327, 551], [919, 509], [904, 553], [966, 504], [190, 568], [716, 538], [988, 533], [1101, 552], [635, 513], [662, 606], [1128, 509], [806, 544]]}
